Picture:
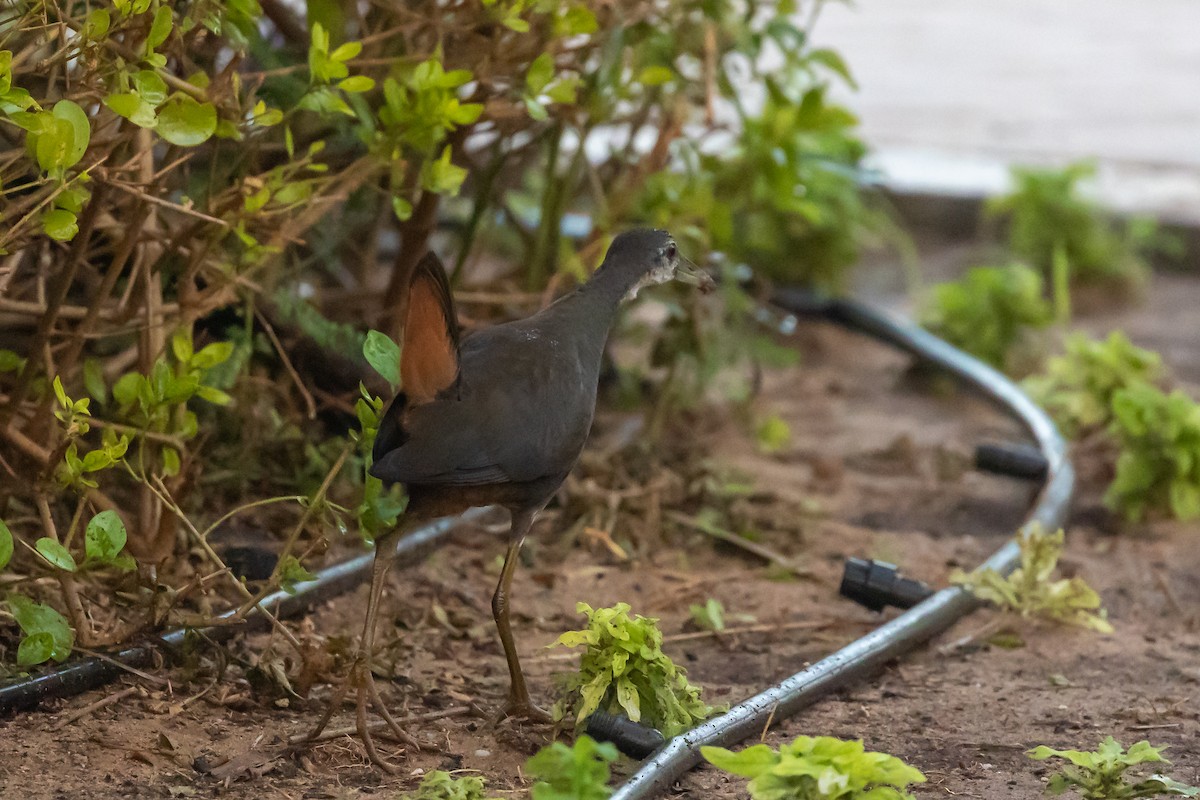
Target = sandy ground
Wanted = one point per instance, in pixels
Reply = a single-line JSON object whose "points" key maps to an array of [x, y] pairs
{"points": [[875, 468]]}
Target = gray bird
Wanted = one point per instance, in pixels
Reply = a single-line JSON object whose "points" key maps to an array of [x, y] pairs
{"points": [[499, 419]]}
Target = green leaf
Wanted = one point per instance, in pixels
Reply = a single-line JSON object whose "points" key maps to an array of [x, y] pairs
{"points": [[6, 545], [127, 388], [537, 111], [55, 144], [292, 572], [346, 51], [60, 225], [214, 396], [10, 361], [578, 772], [105, 537], [81, 129], [211, 355], [749, 762], [132, 107], [656, 75], [35, 618], [60, 394], [181, 345], [441, 176], [35, 649], [55, 554], [97, 24], [356, 84], [540, 73], [151, 87], [773, 434], [383, 355], [184, 122], [401, 208], [170, 461], [160, 28], [710, 616]]}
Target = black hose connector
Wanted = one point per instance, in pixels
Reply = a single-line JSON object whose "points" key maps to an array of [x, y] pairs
{"points": [[877, 585], [1014, 460], [632, 738]]}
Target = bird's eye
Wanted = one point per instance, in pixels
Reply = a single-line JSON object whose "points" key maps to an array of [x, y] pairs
{"points": [[671, 252]]}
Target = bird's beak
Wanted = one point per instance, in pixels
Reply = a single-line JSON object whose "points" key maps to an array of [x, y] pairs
{"points": [[689, 273]]}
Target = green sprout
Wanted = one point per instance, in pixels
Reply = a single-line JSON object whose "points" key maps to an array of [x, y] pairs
{"points": [[578, 772], [1159, 465], [1100, 774], [817, 768], [1078, 387], [989, 311], [1029, 592], [624, 670]]}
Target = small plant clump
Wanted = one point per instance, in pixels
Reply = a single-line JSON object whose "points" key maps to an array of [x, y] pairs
{"points": [[1030, 593], [1077, 388], [578, 772], [817, 768], [1048, 219], [1100, 774], [1158, 469], [989, 311], [623, 669], [441, 785]]}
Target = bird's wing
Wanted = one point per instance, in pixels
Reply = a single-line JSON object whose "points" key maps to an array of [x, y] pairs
{"points": [[508, 421], [429, 351]]}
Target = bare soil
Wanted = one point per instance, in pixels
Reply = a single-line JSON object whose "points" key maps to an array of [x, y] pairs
{"points": [[878, 466]]}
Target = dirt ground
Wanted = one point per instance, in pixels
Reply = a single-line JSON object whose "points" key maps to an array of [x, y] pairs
{"points": [[877, 467]]}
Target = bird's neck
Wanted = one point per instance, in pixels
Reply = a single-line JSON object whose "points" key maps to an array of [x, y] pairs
{"points": [[610, 284]]}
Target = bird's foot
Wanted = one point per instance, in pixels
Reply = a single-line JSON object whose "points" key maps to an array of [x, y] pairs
{"points": [[523, 708], [367, 697]]}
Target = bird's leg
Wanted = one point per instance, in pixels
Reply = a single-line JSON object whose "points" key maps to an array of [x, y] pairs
{"points": [[360, 677], [519, 703]]}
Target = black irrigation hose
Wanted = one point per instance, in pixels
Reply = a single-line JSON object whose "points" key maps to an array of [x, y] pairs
{"points": [[92, 672], [917, 625]]}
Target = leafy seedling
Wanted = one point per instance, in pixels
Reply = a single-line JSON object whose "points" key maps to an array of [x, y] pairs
{"points": [[1078, 387], [1047, 214], [710, 616], [817, 768], [1100, 774], [47, 634], [1029, 592], [440, 785], [624, 670], [1158, 469], [989, 311], [578, 772]]}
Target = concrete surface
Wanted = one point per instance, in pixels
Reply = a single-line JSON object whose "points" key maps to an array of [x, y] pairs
{"points": [[952, 91]]}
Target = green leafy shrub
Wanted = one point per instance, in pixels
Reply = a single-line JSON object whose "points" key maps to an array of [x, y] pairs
{"points": [[1047, 214], [198, 333], [1030, 593], [1158, 469], [1077, 388], [988, 311], [1100, 774], [817, 768], [578, 772], [624, 670], [441, 785]]}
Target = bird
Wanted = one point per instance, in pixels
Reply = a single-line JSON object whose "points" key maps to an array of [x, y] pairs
{"points": [[498, 417]]}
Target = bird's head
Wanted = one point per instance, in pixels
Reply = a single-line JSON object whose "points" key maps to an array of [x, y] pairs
{"points": [[651, 256]]}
